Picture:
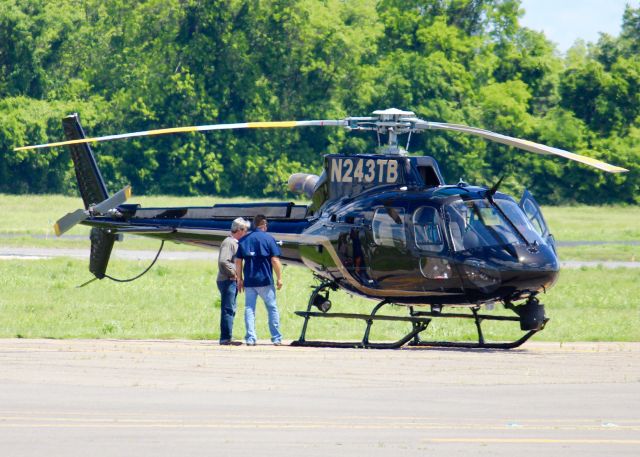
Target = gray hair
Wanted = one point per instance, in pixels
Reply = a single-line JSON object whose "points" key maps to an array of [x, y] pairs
{"points": [[239, 224]]}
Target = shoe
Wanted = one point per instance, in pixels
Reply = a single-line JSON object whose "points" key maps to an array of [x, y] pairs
{"points": [[277, 343], [230, 343], [251, 343]]}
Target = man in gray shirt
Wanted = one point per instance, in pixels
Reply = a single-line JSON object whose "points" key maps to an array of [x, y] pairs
{"points": [[227, 278]]}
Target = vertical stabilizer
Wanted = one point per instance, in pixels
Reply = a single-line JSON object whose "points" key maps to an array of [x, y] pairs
{"points": [[90, 183]]}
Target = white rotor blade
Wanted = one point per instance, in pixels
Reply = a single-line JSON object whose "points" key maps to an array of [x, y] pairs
{"points": [[522, 144], [195, 128]]}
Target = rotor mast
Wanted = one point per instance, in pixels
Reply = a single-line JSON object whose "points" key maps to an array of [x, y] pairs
{"points": [[391, 122]]}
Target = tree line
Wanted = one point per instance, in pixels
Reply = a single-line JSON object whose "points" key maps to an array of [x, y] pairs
{"points": [[137, 65]]}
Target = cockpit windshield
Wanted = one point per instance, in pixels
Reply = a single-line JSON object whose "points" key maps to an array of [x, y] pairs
{"points": [[478, 223]]}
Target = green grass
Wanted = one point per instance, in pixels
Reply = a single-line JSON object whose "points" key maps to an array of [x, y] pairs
{"points": [[36, 214], [180, 300], [605, 252], [130, 242], [29, 219], [594, 223]]}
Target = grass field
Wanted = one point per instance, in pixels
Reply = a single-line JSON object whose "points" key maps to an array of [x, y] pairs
{"points": [[28, 220], [594, 223], [36, 214], [180, 299]]}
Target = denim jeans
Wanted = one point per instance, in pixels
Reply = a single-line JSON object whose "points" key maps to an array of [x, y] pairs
{"points": [[268, 295], [228, 292]]}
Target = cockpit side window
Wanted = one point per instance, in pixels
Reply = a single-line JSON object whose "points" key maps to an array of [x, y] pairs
{"points": [[426, 229], [388, 227]]}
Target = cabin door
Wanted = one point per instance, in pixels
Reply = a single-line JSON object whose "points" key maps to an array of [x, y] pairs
{"points": [[389, 260]]}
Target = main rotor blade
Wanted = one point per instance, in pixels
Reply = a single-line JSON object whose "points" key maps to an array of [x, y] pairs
{"points": [[522, 144], [388, 121], [195, 128], [66, 222]]}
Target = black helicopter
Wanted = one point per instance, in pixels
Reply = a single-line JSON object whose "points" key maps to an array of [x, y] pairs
{"points": [[383, 225]]}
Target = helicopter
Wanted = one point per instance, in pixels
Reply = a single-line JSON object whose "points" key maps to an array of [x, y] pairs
{"points": [[382, 225]]}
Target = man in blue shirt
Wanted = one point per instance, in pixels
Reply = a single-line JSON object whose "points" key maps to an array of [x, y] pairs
{"points": [[260, 254]]}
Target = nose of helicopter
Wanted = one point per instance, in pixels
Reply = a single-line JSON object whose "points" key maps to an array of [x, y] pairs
{"points": [[525, 269], [537, 257], [537, 268]]}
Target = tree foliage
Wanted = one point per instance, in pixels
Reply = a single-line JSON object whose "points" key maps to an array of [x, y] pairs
{"points": [[127, 66]]}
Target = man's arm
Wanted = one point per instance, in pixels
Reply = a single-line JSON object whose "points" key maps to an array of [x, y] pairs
{"points": [[239, 278], [226, 264], [277, 267]]}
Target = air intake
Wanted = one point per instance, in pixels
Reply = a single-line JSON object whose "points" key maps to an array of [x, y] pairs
{"points": [[303, 183]]}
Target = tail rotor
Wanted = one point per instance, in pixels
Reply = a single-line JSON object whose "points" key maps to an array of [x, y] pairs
{"points": [[65, 223]]}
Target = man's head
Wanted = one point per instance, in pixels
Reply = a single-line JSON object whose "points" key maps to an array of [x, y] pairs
{"points": [[260, 222], [239, 227]]}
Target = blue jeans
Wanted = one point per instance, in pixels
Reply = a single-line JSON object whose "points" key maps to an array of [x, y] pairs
{"points": [[228, 291], [268, 295]]}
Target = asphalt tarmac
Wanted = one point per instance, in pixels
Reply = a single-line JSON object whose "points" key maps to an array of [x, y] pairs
{"points": [[196, 398]]}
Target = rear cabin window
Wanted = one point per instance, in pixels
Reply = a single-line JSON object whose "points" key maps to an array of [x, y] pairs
{"points": [[388, 227], [426, 229]]}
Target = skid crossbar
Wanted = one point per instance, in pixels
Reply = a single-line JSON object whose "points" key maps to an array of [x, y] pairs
{"points": [[478, 318], [419, 324]]}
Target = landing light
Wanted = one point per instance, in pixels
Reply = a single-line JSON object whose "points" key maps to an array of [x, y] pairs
{"points": [[481, 275], [322, 303]]}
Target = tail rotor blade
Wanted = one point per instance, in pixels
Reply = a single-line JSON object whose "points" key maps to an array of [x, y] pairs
{"points": [[65, 223], [116, 199]]}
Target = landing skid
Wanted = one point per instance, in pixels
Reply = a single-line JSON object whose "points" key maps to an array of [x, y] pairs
{"points": [[481, 343], [530, 316]]}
